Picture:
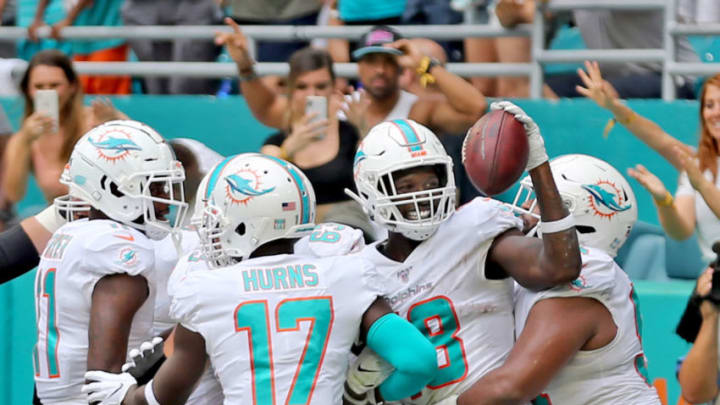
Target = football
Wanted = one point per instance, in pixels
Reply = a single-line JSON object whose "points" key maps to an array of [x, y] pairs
{"points": [[495, 152]]}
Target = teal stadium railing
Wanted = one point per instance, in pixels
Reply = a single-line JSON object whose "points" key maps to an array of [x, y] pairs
{"points": [[569, 126]]}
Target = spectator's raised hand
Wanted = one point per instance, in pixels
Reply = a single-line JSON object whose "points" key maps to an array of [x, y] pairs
{"points": [[103, 111], [304, 132], [32, 29], [56, 29], [649, 181], [34, 126], [355, 107], [704, 285], [236, 44], [596, 89], [690, 165], [411, 56]]}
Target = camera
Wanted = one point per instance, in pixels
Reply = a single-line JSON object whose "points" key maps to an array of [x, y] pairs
{"points": [[714, 295]]}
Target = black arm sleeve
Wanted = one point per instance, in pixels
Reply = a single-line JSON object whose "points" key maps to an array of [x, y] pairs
{"points": [[17, 254]]}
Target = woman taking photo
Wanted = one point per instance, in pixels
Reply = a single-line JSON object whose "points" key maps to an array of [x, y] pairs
{"points": [[42, 146]]}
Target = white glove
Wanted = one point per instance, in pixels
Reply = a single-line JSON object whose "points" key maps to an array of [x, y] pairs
{"points": [[368, 371], [451, 400], [144, 359], [537, 155], [107, 388]]}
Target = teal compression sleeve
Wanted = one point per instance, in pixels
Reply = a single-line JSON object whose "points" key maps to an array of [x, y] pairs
{"points": [[403, 346]]}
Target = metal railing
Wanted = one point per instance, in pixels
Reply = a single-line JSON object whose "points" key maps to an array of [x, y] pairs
{"points": [[533, 69]]}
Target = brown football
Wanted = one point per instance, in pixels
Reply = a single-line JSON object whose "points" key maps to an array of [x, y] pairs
{"points": [[495, 152]]}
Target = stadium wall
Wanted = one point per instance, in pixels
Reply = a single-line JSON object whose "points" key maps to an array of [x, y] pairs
{"points": [[226, 125]]}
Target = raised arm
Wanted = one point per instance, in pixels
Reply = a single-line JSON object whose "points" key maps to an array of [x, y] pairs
{"points": [[267, 106], [699, 372], [677, 215], [554, 259], [464, 104], [17, 160], [647, 131], [546, 344], [115, 300]]}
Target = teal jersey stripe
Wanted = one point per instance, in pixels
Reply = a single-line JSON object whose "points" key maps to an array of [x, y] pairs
{"points": [[409, 134], [304, 194], [216, 175]]}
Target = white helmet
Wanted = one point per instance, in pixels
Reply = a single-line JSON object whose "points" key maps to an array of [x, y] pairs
{"points": [[251, 199], [398, 145], [122, 168], [596, 194], [68, 206]]}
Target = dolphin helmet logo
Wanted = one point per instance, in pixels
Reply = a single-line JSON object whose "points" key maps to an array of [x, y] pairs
{"points": [[244, 185], [113, 145], [606, 199]]}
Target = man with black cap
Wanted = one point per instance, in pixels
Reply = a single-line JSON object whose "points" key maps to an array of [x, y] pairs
{"points": [[383, 55], [381, 59]]}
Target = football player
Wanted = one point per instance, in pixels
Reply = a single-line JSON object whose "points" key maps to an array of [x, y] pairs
{"points": [[450, 273], [95, 286], [578, 343], [276, 325]]}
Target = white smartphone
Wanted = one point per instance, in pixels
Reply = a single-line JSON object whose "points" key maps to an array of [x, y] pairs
{"points": [[318, 105], [46, 102]]}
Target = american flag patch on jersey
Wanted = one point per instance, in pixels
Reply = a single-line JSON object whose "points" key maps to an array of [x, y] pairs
{"points": [[288, 206]]}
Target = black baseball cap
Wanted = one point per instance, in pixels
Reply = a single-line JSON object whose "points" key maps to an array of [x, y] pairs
{"points": [[373, 41]]}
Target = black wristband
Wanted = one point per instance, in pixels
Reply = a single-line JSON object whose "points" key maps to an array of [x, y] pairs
{"points": [[17, 254]]}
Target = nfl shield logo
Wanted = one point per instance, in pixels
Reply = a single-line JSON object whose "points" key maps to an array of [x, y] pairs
{"points": [[404, 275]]}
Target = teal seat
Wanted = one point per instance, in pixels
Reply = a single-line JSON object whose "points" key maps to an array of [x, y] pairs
{"points": [[683, 259], [643, 254]]}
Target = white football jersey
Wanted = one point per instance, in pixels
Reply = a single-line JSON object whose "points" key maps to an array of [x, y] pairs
{"points": [[77, 256], [441, 288], [166, 258], [167, 266], [615, 373], [278, 328]]}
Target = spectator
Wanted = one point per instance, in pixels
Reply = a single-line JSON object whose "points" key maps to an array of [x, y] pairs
{"points": [[93, 13], [28, 17], [696, 206], [380, 61], [614, 29], [41, 146], [359, 12], [501, 49], [263, 12], [174, 12], [423, 12], [698, 375]]}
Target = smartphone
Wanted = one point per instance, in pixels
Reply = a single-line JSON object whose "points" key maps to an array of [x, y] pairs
{"points": [[318, 105], [46, 102]]}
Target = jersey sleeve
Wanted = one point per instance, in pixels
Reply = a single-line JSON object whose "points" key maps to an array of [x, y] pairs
{"points": [[331, 239], [184, 302], [121, 251], [488, 217], [596, 280], [187, 264]]}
